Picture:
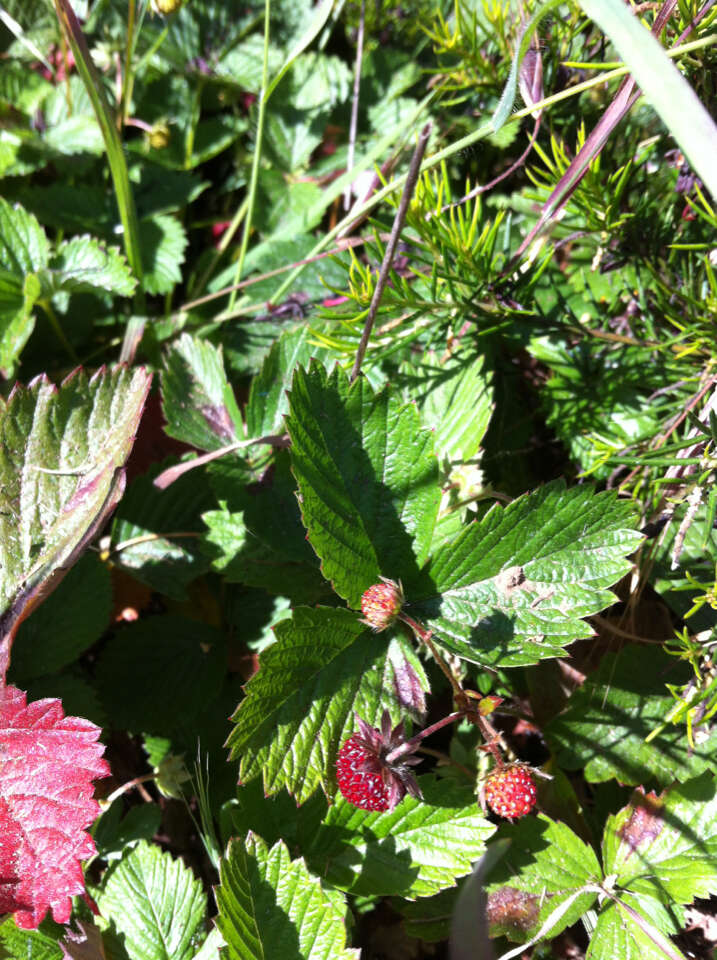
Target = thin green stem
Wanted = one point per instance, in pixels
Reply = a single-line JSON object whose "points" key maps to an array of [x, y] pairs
{"points": [[257, 156]]}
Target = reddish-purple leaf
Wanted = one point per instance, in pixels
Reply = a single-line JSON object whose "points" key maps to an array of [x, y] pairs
{"points": [[47, 764]]}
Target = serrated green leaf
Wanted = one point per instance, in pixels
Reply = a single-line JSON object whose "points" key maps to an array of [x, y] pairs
{"points": [[197, 400], [513, 587], [85, 264], [62, 452], [268, 400], [299, 707], [415, 850], [544, 867], [607, 720], [666, 847], [69, 622], [183, 663], [368, 480], [17, 299], [155, 903], [162, 241], [242, 558], [24, 248], [270, 906]]}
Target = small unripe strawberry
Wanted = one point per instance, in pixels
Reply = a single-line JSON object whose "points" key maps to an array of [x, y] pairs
{"points": [[366, 776], [510, 792], [381, 604]]}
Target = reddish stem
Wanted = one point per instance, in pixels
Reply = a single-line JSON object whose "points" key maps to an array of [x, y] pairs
{"points": [[410, 745]]}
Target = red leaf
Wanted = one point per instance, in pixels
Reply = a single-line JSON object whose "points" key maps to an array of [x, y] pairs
{"points": [[47, 764]]}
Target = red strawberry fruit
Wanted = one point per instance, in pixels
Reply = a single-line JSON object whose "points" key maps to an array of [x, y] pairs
{"points": [[366, 774], [381, 604], [510, 792]]}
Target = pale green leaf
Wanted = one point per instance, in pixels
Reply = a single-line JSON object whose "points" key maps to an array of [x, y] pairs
{"points": [[324, 667], [368, 480], [17, 300], [85, 264], [513, 587], [271, 907], [155, 903], [211, 947]]}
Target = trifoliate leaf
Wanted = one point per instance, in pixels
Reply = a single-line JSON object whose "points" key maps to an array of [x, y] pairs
{"points": [[47, 765], [197, 400], [155, 903], [270, 906], [417, 849], [513, 587], [666, 846], [543, 869], [62, 452], [608, 719], [299, 708], [84, 264], [368, 480], [162, 242]]}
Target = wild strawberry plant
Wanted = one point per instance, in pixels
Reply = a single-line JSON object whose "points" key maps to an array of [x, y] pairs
{"points": [[357, 505]]}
